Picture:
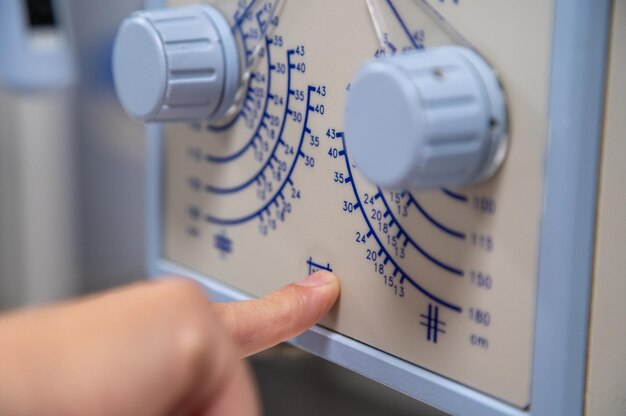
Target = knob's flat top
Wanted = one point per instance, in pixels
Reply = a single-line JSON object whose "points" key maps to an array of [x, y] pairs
{"points": [[139, 67], [384, 114], [425, 119]]}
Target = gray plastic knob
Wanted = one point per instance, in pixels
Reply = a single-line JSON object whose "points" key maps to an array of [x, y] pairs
{"points": [[176, 64], [426, 119]]}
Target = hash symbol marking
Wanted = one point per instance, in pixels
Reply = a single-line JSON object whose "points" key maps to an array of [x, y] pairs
{"points": [[432, 323], [223, 243]]}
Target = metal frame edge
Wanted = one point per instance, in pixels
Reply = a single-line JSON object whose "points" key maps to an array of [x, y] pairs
{"points": [[566, 250]]}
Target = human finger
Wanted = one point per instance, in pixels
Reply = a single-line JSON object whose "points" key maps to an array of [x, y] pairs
{"points": [[154, 348], [258, 324]]}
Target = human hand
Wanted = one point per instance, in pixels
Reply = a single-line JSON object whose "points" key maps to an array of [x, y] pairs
{"points": [[154, 348]]}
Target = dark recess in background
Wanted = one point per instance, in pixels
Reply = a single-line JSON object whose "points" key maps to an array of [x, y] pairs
{"points": [[40, 13]]}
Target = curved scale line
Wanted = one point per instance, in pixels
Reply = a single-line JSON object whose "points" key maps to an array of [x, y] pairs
{"points": [[397, 267], [223, 127], [454, 195], [272, 153], [236, 155], [255, 178], [433, 221], [437, 299], [225, 159], [414, 243], [279, 192]]}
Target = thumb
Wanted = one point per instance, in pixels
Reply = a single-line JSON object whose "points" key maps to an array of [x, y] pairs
{"points": [[260, 324]]}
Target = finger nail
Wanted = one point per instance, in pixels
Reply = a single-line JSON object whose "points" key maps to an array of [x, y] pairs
{"points": [[317, 279]]}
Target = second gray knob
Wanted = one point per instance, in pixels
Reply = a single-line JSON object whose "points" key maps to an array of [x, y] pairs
{"points": [[426, 119]]}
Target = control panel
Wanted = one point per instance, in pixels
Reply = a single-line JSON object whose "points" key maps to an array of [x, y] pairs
{"points": [[399, 143]]}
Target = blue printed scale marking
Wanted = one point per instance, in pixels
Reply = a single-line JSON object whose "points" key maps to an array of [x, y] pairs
{"points": [[237, 28], [382, 249], [412, 201], [262, 24], [278, 195], [454, 195], [315, 266], [255, 136], [268, 163], [393, 222], [223, 127], [241, 16]]}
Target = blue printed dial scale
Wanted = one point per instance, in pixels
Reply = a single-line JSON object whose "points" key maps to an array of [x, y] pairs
{"points": [[439, 287]]}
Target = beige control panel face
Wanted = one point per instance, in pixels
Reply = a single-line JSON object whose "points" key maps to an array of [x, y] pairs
{"points": [[444, 279]]}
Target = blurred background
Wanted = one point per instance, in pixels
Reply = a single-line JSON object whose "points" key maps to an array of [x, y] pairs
{"points": [[72, 191]]}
